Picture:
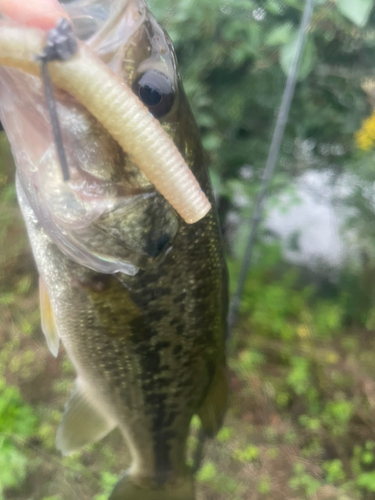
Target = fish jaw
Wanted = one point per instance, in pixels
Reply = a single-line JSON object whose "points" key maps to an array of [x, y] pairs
{"points": [[105, 184]]}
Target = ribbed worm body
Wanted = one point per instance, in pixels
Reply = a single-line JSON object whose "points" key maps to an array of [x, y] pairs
{"points": [[119, 111]]}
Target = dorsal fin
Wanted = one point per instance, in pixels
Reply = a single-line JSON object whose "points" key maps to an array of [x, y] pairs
{"points": [[83, 421], [47, 319]]}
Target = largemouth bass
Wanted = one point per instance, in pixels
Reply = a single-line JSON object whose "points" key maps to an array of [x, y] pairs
{"points": [[137, 296]]}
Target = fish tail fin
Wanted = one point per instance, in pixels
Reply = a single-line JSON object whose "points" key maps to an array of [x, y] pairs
{"points": [[127, 489]]}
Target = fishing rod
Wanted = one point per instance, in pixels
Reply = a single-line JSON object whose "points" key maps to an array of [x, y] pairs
{"points": [[271, 162]]}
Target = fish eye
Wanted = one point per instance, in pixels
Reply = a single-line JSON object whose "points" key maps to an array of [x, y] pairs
{"points": [[156, 91]]}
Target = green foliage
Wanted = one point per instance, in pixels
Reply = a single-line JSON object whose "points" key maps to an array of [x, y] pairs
{"points": [[287, 55], [207, 472], [366, 480], [17, 423], [334, 471], [234, 58], [220, 482], [297, 389], [264, 485], [299, 376], [362, 462], [337, 414], [248, 454], [303, 481], [17, 418], [107, 483], [12, 465], [358, 11], [293, 330], [225, 434]]}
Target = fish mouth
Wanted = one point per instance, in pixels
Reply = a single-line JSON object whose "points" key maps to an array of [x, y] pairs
{"points": [[83, 216]]}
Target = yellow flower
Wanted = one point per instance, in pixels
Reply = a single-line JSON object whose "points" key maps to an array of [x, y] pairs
{"points": [[365, 137]]}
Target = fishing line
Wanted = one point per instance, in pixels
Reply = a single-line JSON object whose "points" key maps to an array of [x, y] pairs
{"points": [[268, 172], [61, 46], [272, 158], [105, 96], [54, 119]]}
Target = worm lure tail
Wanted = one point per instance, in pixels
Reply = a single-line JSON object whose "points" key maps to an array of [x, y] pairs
{"points": [[61, 46], [114, 105]]}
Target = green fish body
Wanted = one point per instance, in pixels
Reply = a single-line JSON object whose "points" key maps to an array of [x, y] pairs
{"points": [[148, 341]]}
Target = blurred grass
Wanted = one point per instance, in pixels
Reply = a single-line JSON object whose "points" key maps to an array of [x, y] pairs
{"points": [[301, 419]]}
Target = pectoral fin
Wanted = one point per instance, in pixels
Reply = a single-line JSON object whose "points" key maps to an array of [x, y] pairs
{"points": [[47, 319], [214, 406], [83, 421]]}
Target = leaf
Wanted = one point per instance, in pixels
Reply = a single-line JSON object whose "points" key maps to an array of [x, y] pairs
{"points": [[280, 35], [207, 472], [307, 60], [295, 3], [357, 11], [367, 481], [249, 454], [225, 434]]}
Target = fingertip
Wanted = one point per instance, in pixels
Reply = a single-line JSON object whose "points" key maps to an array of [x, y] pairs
{"points": [[42, 14]]}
